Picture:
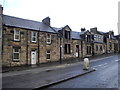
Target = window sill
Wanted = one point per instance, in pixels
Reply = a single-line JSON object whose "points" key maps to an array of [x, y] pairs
{"points": [[67, 53], [15, 60], [16, 40], [33, 42], [48, 43], [48, 59]]}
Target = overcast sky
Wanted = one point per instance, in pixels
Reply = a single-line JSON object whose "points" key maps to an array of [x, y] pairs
{"points": [[78, 14]]}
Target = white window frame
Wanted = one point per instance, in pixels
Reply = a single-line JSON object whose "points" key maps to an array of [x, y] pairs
{"points": [[15, 33], [48, 39], [33, 36], [95, 37], [48, 54], [16, 53], [109, 36]]}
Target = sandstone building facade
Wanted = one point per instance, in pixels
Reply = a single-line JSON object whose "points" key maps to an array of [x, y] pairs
{"points": [[28, 42]]}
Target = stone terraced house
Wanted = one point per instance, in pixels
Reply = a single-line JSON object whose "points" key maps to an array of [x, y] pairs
{"points": [[28, 42], [104, 42], [112, 45], [70, 43], [86, 43], [99, 45]]}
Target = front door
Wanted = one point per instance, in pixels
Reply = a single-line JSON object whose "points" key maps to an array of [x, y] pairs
{"points": [[33, 57], [77, 50]]}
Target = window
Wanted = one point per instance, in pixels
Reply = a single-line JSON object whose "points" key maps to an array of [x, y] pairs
{"points": [[95, 37], [102, 38], [34, 37], [109, 36], [67, 34], [67, 49], [16, 54], [110, 47], [48, 39], [48, 53], [16, 35], [101, 48], [96, 47], [88, 38], [88, 50]]}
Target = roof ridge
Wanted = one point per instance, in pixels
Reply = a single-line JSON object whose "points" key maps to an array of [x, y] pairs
{"points": [[75, 31]]}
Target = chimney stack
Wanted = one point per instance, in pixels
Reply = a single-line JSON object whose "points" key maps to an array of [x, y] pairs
{"points": [[94, 30], [1, 10], [83, 29], [46, 21], [111, 32]]}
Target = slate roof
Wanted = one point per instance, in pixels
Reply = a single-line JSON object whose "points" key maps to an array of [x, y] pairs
{"points": [[76, 35], [113, 37], [57, 29], [102, 32], [27, 24], [83, 32]]}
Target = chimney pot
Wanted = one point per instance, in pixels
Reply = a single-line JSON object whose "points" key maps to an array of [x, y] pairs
{"points": [[1, 10]]}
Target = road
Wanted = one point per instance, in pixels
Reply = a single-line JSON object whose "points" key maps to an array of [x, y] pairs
{"points": [[105, 76]]}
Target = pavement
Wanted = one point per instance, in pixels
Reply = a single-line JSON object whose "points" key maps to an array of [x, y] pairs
{"points": [[48, 64], [44, 75], [41, 78], [65, 77]]}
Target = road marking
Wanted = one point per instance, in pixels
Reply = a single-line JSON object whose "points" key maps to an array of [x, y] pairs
{"points": [[116, 60], [102, 58], [112, 61], [105, 64], [95, 66], [100, 65]]}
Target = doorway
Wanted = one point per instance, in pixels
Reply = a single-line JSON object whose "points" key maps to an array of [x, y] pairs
{"points": [[33, 57], [77, 51]]}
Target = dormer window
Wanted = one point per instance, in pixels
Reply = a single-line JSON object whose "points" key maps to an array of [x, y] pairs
{"points": [[109, 36], [67, 34], [88, 38], [16, 35]]}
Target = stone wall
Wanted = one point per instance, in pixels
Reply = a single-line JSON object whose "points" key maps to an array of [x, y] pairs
{"points": [[9, 43], [1, 36], [108, 45], [99, 51], [54, 47], [67, 41], [26, 46], [41, 47], [84, 49], [74, 43]]}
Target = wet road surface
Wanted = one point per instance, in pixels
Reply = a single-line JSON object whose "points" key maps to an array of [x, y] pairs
{"points": [[105, 76]]}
